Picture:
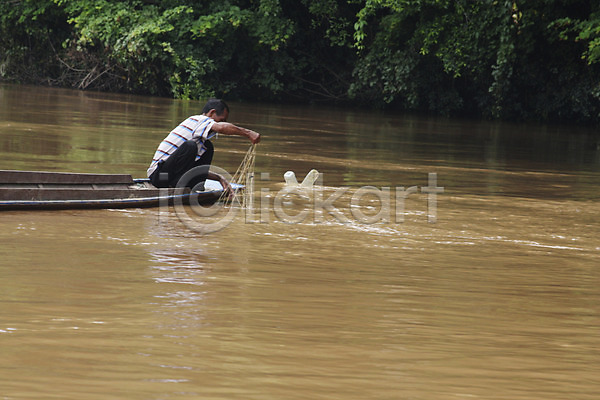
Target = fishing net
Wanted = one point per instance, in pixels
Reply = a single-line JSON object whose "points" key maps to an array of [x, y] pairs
{"points": [[245, 176]]}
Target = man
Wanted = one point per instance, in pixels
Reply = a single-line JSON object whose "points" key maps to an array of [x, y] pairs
{"points": [[188, 146]]}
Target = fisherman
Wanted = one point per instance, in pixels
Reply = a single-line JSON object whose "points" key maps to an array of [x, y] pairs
{"points": [[189, 146]]}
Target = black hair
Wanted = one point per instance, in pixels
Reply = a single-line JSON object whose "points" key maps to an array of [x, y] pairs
{"points": [[219, 105]]}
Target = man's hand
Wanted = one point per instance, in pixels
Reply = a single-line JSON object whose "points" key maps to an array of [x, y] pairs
{"points": [[227, 189], [253, 136]]}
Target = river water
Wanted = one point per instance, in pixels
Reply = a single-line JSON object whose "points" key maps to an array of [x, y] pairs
{"points": [[482, 283]]}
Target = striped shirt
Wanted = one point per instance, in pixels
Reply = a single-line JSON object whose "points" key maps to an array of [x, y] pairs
{"points": [[196, 127]]}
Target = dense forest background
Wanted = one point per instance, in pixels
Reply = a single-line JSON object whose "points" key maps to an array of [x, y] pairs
{"points": [[521, 60]]}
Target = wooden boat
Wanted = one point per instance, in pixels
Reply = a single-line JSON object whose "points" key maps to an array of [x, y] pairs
{"points": [[62, 190]]}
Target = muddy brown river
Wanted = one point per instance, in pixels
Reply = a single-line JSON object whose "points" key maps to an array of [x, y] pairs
{"points": [[435, 259]]}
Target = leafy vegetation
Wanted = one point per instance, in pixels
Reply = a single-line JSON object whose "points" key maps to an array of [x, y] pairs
{"points": [[523, 59]]}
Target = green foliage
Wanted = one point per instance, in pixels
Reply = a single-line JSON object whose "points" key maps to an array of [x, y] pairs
{"points": [[491, 58], [517, 59], [577, 29], [27, 28]]}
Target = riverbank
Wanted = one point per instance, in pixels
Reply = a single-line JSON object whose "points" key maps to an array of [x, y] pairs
{"points": [[497, 60]]}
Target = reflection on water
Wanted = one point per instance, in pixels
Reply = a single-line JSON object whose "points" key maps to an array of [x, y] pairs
{"points": [[498, 299]]}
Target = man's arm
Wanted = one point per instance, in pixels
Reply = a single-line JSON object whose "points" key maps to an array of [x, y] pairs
{"points": [[227, 128]]}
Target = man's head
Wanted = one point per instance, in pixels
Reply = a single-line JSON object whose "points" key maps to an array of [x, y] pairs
{"points": [[216, 109]]}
